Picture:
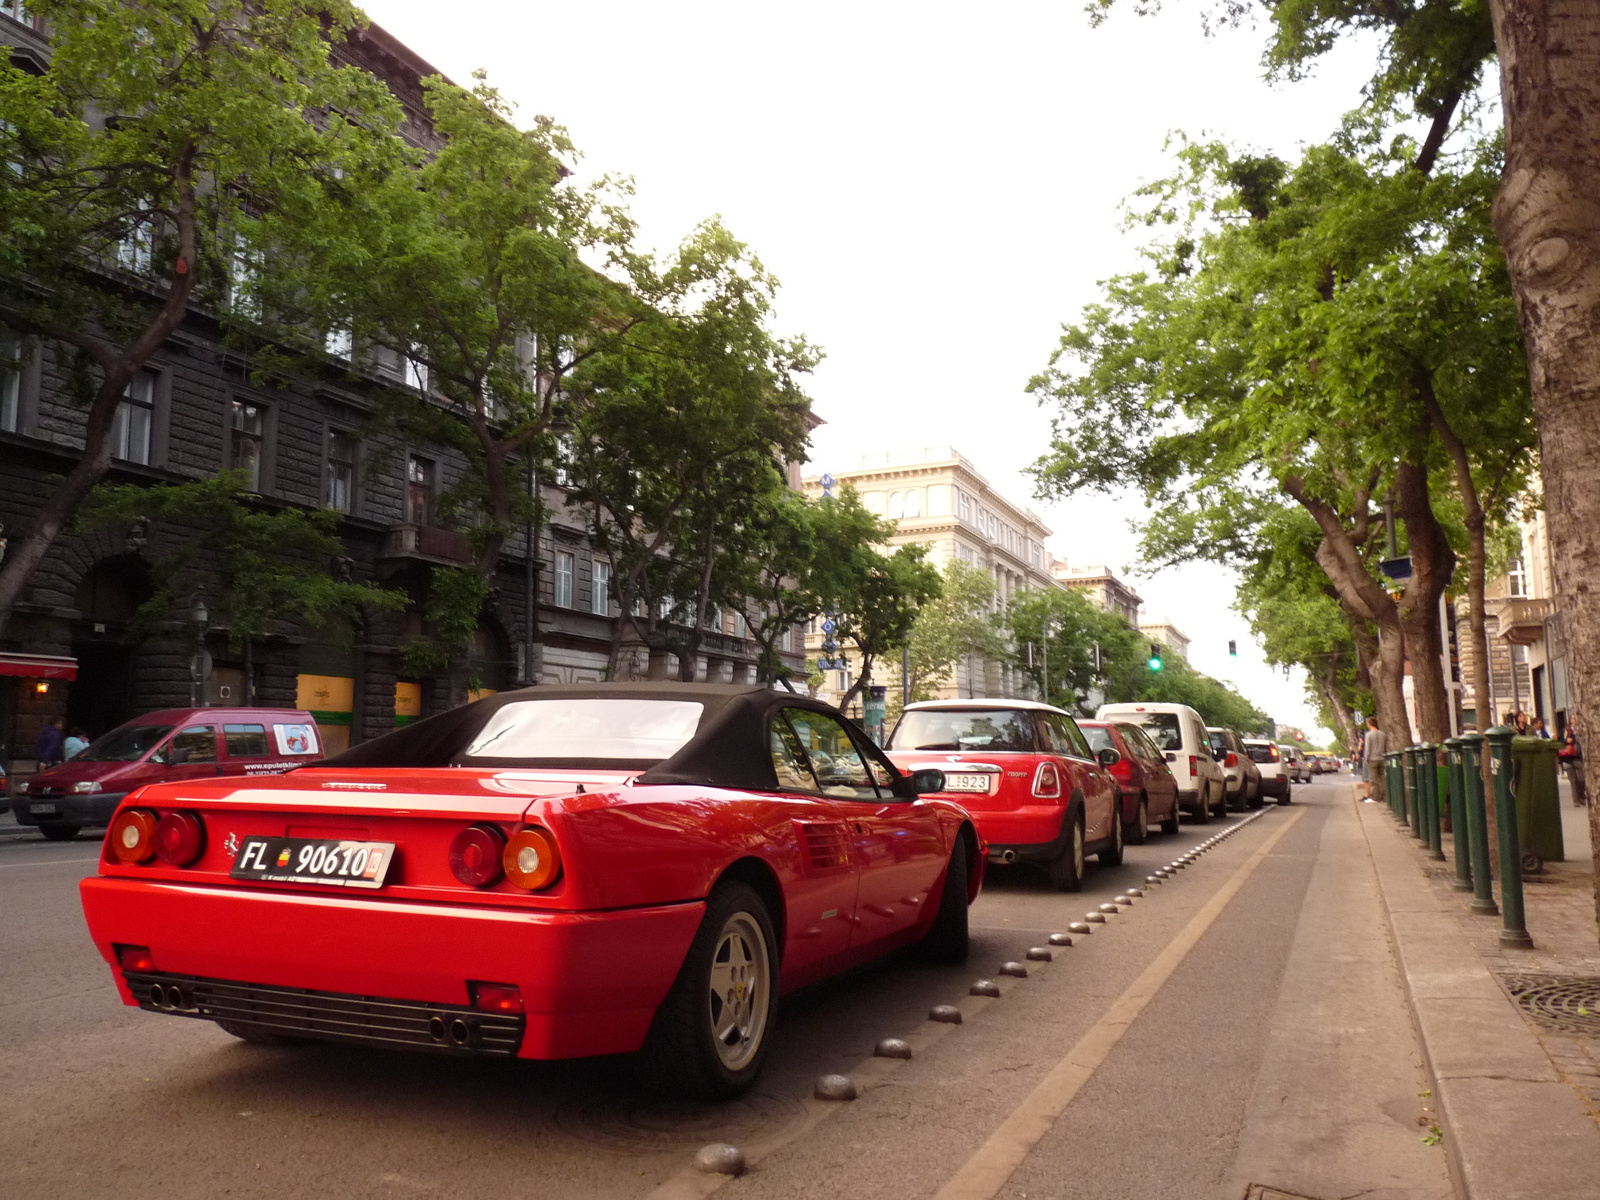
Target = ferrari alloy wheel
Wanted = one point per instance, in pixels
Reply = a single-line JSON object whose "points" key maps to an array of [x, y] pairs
{"points": [[1066, 869], [709, 1037], [1141, 823], [1111, 856], [737, 998], [946, 939]]}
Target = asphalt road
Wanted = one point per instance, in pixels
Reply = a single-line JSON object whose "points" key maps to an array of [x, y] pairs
{"points": [[1240, 1025]]}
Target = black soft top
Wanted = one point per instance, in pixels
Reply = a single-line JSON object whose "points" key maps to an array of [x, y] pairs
{"points": [[729, 747]]}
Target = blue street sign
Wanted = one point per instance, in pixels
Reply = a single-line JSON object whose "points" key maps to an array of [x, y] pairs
{"points": [[827, 484], [828, 626]]}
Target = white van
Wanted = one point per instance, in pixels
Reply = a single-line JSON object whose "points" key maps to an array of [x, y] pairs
{"points": [[1181, 735]]}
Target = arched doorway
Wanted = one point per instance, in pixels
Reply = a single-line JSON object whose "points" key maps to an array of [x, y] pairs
{"points": [[103, 642]]}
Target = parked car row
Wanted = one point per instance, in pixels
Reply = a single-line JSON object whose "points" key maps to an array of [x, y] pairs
{"points": [[719, 845]]}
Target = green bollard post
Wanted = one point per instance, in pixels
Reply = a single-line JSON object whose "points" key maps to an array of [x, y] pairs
{"points": [[1458, 815], [1397, 787], [1477, 825], [1514, 931], [1419, 830], [1404, 763], [1433, 820]]}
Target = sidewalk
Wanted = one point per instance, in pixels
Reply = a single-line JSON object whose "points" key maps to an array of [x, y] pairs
{"points": [[1517, 1084]]}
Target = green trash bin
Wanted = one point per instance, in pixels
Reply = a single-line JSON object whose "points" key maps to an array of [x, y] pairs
{"points": [[1538, 798]]}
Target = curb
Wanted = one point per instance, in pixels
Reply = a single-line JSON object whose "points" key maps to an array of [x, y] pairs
{"points": [[1512, 1129]]}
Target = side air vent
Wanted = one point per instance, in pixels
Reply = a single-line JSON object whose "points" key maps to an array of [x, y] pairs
{"points": [[826, 843]]}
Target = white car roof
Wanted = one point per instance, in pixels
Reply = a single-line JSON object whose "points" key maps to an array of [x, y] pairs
{"points": [[994, 702]]}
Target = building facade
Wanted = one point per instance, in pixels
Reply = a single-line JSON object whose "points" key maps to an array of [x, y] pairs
{"points": [[1168, 634], [937, 498], [1102, 586], [71, 649]]}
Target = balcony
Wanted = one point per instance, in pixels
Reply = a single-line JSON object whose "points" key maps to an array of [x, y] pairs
{"points": [[427, 544], [1522, 619]]}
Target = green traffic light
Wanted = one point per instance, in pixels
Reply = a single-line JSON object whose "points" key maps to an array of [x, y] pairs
{"points": [[1155, 657]]}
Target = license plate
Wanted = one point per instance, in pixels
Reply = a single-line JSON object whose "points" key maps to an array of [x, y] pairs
{"points": [[966, 782], [313, 860], [43, 810]]}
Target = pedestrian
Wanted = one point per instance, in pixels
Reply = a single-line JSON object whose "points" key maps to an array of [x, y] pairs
{"points": [[1538, 730], [1373, 747], [1571, 756], [77, 742], [48, 748], [1520, 721]]}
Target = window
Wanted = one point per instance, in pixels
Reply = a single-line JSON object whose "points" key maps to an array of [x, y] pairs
{"points": [[627, 730], [130, 427], [564, 563], [964, 506], [247, 424], [834, 759], [244, 277], [1074, 735], [897, 505], [566, 454], [17, 11], [339, 344], [788, 761], [246, 741], [338, 489], [1517, 578], [914, 503], [414, 375], [10, 380], [192, 744], [135, 251], [600, 592], [419, 491], [982, 729]]}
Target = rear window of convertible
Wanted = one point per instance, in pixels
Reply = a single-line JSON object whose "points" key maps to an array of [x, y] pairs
{"points": [[631, 729]]}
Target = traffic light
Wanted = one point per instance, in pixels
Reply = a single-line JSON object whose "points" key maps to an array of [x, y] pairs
{"points": [[1233, 648], [1155, 656]]}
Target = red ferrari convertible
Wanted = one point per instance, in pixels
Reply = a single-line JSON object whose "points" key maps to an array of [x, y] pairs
{"points": [[549, 873]]}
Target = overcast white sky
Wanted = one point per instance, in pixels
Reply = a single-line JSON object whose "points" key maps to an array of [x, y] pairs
{"points": [[936, 186]]}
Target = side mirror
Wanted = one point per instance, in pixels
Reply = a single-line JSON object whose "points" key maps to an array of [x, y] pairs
{"points": [[1109, 757], [1172, 756], [927, 780], [174, 758]]}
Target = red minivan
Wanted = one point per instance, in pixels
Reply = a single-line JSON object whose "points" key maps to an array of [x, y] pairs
{"points": [[162, 747]]}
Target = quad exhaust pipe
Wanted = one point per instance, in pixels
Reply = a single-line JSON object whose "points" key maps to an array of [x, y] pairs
{"points": [[170, 996], [457, 1032]]}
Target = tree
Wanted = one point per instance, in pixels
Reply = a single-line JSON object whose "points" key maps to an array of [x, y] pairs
{"points": [[1053, 635], [173, 153], [1288, 339], [877, 613], [260, 566], [684, 427], [957, 623]]}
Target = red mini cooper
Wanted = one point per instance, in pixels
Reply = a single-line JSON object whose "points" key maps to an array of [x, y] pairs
{"points": [[1035, 788]]}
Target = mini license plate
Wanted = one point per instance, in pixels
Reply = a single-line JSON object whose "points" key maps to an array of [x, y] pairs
{"points": [[957, 781], [313, 860], [47, 810]]}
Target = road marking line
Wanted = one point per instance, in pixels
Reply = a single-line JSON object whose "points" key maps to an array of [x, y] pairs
{"points": [[986, 1172], [49, 862]]}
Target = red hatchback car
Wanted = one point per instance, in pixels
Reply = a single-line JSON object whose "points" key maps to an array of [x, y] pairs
{"points": [[550, 873], [1026, 773], [1149, 789]]}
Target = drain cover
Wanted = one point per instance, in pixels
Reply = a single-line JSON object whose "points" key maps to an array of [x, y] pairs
{"points": [[1568, 1003]]}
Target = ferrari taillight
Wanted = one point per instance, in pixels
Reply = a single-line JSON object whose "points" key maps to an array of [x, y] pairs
{"points": [[475, 855], [180, 838], [132, 835], [496, 997], [531, 859]]}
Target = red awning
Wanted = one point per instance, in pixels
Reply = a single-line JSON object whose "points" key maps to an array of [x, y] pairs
{"points": [[38, 666]]}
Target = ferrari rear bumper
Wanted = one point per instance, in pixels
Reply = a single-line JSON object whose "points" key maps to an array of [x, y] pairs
{"points": [[590, 982]]}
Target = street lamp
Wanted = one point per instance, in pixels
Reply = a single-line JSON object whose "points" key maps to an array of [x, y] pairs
{"points": [[200, 666]]}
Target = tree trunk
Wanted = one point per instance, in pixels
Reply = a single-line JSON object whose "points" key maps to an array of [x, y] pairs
{"points": [[1342, 715], [1432, 565], [1547, 216]]}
